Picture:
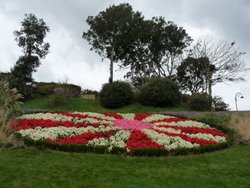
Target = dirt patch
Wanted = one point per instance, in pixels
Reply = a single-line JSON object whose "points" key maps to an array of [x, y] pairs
{"points": [[3, 137], [240, 122]]}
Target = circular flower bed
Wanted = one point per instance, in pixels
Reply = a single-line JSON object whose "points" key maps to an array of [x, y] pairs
{"points": [[142, 134]]}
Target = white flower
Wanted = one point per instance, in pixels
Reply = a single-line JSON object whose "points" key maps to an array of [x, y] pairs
{"points": [[128, 116]]}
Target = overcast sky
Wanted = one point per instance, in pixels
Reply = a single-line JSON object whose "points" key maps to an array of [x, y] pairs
{"points": [[70, 57]]}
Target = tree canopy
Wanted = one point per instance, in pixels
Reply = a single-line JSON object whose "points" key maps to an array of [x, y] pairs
{"points": [[192, 74], [156, 49], [31, 39], [111, 30]]}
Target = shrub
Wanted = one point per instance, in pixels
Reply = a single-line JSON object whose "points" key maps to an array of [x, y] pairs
{"points": [[159, 92], [57, 99], [9, 105], [116, 94], [185, 98], [219, 104], [199, 102]]}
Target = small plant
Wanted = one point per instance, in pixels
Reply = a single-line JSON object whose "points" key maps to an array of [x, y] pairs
{"points": [[57, 99], [199, 102], [9, 105], [116, 94], [159, 92]]}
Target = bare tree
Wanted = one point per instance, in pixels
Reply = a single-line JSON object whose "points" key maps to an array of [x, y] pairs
{"points": [[224, 57]]}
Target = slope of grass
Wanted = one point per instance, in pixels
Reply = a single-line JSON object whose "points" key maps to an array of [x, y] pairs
{"points": [[44, 168], [78, 104]]}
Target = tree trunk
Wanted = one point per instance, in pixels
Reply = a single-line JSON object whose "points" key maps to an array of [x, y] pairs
{"points": [[209, 87], [210, 92], [111, 64]]}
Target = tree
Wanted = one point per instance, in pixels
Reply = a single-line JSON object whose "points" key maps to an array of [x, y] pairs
{"points": [[225, 58], [156, 49], [111, 30], [31, 38], [192, 74]]}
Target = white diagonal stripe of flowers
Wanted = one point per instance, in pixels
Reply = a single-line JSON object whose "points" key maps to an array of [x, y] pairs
{"points": [[75, 120], [59, 132], [169, 142], [186, 123]]}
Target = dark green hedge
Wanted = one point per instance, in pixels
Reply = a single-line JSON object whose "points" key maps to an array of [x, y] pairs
{"points": [[116, 94], [159, 92]]}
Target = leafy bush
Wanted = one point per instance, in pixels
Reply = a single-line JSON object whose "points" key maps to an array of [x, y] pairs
{"points": [[185, 98], [116, 94], [159, 92], [219, 104], [57, 99], [9, 105], [199, 102]]}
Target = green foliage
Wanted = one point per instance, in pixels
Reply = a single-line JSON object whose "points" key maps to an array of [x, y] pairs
{"points": [[9, 105], [83, 105], [155, 49], [219, 104], [21, 75], [160, 92], [30, 37], [186, 98], [111, 31], [57, 99], [192, 74], [116, 94], [199, 102]]}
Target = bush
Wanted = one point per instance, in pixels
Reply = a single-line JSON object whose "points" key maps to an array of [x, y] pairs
{"points": [[199, 102], [159, 92], [57, 99], [116, 94], [186, 98], [219, 104], [9, 105]]}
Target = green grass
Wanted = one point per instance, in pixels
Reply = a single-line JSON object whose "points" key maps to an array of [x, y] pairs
{"points": [[44, 168], [83, 105]]}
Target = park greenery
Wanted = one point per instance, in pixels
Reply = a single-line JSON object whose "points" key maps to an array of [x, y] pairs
{"points": [[167, 72]]}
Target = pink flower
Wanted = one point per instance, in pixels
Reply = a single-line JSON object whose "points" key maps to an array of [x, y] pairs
{"points": [[132, 124]]}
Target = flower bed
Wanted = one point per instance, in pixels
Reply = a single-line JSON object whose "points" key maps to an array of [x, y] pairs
{"points": [[135, 134]]}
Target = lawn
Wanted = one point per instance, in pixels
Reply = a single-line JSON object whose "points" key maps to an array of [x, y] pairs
{"points": [[44, 168], [31, 167], [83, 105]]}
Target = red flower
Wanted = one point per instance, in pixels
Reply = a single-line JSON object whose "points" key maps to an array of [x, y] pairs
{"points": [[139, 140], [141, 116], [83, 138]]}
